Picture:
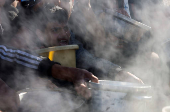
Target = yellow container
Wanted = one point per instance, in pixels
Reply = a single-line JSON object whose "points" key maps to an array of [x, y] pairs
{"points": [[65, 55]]}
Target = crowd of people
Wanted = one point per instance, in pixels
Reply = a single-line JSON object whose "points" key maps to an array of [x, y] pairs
{"points": [[26, 25]]}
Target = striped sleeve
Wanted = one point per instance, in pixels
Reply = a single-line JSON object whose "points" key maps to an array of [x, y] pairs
{"points": [[19, 57]]}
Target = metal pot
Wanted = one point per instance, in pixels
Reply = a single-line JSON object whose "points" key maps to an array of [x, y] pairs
{"points": [[114, 96]]}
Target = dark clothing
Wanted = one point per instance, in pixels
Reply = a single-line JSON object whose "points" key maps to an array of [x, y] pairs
{"points": [[101, 68], [85, 60], [17, 67]]}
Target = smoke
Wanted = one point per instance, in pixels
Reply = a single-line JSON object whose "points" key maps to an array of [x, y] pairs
{"points": [[147, 58], [50, 100], [149, 61]]}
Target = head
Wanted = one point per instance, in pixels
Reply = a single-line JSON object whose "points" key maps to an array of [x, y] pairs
{"points": [[52, 30], [55, 31]]}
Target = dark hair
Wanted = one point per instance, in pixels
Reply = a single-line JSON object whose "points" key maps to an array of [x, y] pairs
{"points": [[51, 14], [56, 13]]}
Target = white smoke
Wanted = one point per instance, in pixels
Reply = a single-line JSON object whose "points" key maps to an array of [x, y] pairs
{"points": [[150, 61], [145, 64]]}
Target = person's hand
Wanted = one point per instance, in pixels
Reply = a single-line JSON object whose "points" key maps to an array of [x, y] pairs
{"points": [[9, 99], [122, 11], [80, 82], [75, 75], [127, 77]]}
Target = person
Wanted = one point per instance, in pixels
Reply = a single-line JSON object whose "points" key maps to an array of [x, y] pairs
{"points": [[15, 62], [89, 28], [92, 31], [55, 32], [9, 100]]}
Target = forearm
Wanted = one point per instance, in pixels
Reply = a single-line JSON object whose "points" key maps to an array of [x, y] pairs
{"points": [[74, 75], [14, 58], [19, 57], [63, 73]]}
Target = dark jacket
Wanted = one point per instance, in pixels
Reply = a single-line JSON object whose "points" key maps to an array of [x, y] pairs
{"points": [[101, 68], [18, 67]]}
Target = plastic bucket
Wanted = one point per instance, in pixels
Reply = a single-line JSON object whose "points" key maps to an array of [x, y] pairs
{"points": [[65, 55]]}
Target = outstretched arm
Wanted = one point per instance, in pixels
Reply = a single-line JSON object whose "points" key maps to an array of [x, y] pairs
{"points": [[45, 67]]}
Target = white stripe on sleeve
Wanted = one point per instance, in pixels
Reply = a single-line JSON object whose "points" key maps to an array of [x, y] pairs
{"points": [[21, 52], [19, 57], [19, 62]]}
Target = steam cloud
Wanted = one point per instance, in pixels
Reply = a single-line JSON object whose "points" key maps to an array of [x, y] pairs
{"points": [[153, 69], [145, 63]]}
